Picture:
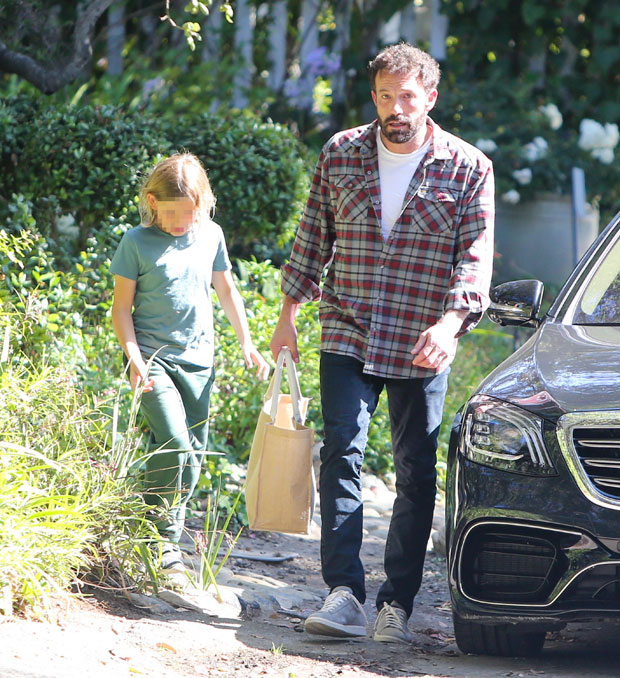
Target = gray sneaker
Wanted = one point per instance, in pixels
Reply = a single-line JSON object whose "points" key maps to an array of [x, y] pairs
{"points": [[391, 625], [341, 616]]}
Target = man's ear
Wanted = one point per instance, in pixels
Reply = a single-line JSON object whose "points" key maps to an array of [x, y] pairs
{"points": [[432, 99], [373, 94]]}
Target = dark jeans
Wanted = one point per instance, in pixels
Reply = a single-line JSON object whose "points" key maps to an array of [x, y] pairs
{"points": [[349, 398]]}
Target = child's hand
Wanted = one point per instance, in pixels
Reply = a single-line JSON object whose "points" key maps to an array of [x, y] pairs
{"points": [[137, 377], [252, 356]]}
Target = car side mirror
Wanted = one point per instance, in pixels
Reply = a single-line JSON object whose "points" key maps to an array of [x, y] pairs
{"points": [[516, 303]]}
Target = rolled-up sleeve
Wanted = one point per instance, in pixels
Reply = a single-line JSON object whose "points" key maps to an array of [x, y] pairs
{"points": [[314, 241], [471, 278]]}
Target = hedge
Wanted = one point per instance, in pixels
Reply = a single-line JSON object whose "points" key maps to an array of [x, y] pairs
{"points": [[85, 163]]}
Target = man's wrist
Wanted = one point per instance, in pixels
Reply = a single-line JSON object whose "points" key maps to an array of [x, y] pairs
{"points": [[453, 320]]}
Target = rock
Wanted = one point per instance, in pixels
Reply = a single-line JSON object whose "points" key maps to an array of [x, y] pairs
{"points": [[177, 600], [150, 603], [220, 602], [269, 593]]}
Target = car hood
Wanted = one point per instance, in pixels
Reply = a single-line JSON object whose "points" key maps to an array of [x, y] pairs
{"points": [[562, 368]]}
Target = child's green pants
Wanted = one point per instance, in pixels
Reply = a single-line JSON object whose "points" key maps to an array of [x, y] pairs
{"points": [[176, 411]]}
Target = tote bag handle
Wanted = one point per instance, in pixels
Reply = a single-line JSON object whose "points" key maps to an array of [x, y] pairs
{"points": [[293, 381]]}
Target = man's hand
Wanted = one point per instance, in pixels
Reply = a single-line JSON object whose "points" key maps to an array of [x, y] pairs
{"points": [[285, 333], [436, 347]]}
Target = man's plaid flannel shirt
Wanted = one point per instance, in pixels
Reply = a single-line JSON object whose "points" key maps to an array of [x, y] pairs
{"points": [[377, 297]]}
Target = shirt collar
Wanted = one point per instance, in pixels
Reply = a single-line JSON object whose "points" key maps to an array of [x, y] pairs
{"points": [[439, 142], [366, 141]]}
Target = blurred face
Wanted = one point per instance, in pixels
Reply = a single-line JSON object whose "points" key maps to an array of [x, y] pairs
{"points": [[176, 216], [402, 108]]}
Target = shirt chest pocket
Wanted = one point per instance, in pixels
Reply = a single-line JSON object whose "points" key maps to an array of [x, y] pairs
{"points": [[434, 209], [350, 197]]}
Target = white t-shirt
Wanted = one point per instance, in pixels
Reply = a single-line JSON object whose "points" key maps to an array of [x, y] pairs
{"points": [[395, 172]]}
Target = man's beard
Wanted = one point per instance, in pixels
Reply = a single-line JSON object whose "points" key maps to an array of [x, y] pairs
{"points": [[403, 134]]}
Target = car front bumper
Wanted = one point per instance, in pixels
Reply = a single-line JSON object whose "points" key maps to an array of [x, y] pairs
{"points": [[518, 553]]}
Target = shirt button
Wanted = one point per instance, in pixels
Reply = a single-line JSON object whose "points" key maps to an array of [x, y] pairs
{"points": [[368, 171], [377, 202]]}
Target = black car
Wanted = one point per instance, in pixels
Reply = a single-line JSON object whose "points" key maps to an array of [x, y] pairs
{"points": [[533, 483]]}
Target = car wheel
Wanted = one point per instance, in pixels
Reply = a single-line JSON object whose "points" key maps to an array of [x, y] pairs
{"points": [[500, 641]]}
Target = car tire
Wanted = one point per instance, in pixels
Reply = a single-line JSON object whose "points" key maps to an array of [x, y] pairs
{"points": [[499, 641]]}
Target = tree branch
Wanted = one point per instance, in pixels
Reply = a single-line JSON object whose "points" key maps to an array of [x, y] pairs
{"points": [[50, 79]]}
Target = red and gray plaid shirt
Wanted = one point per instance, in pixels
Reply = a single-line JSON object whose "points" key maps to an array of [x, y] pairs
{"points": [[377, 296]]}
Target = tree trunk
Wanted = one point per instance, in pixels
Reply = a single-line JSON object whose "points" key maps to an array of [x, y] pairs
{"points": [[341, 44], [211, 33], [439, 31], [116, 38], [244, 31], [408, 24], [48, 77], [148, 25], [309, 31], [277, 45]]}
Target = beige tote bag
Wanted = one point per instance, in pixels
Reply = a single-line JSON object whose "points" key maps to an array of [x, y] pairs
{"points": [[280, 486]]}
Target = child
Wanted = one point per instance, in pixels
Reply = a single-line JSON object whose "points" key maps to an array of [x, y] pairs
{"points": [[164, 270]]}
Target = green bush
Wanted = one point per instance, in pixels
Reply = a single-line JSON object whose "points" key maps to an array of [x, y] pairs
{"points": [[79, 162], [80, 168], [259, 174], [56, 316]]}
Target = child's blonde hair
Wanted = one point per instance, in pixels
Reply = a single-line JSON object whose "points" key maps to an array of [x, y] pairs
{"points": [[179, 176]]}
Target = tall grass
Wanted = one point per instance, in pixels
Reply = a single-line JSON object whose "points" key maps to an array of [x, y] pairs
{"points": [[67, 506]]}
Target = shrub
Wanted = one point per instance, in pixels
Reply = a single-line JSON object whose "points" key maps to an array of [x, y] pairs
{"points": [[83, 163], [80, 168], [258, 171], [56, 316]]}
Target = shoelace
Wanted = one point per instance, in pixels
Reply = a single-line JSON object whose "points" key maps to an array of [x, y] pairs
{"points": [[393, 617], [334, 600]]}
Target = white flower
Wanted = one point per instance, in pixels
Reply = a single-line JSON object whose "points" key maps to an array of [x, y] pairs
{"points": [[553, 115], [486, 145], [536, 149], [594, 135], [613, 135], [599, 139], [605, 155], [512, 197], [522, 176], [591, 134]]}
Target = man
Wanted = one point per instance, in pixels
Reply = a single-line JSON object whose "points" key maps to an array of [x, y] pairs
{"points": [[401, 213]]}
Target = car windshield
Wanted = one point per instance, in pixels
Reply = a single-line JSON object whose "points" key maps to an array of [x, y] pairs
{"points": [[599, 301]]}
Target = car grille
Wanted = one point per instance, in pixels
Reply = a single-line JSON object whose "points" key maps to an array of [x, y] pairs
{"points": [[510, 564], [598, 451]]}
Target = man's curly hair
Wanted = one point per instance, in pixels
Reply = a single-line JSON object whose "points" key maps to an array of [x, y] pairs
{"points": [[403, 59]]}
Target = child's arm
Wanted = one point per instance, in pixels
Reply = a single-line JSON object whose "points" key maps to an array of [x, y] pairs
{"points": [[232, 303], [122, 320]]}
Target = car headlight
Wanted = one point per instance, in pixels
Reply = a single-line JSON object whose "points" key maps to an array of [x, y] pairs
{"points": [[504, 436]]}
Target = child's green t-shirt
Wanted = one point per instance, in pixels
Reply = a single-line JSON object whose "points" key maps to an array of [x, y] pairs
{"points": [[172, 312]]}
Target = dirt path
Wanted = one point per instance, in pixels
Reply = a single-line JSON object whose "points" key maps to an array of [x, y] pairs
{"points": [[107, 637]]}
